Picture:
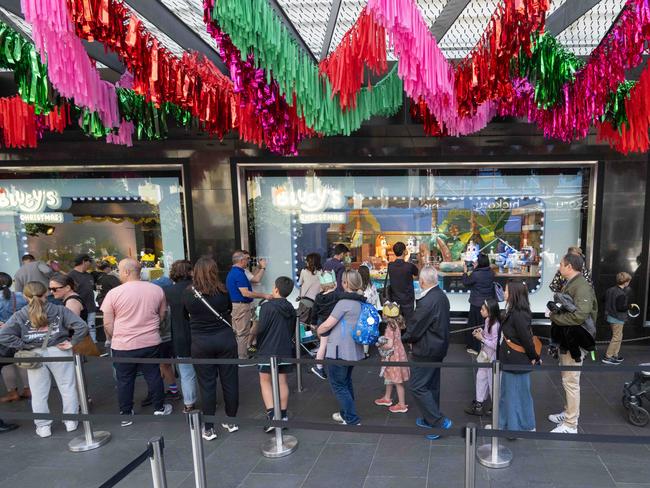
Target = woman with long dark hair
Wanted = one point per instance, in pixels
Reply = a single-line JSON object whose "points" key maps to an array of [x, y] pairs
{"points": [[516, 409], [480, 283], [208, 305], [10, 303]]}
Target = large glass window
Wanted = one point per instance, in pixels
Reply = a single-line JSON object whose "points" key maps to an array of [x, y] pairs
{"points": [[103, 215], [523, 219]]}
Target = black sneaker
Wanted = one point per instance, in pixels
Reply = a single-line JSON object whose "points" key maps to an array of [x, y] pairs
{"points": [[320, 372], [476, 408], [128, 418], [608, 360], [209, 434], [618, 359]]}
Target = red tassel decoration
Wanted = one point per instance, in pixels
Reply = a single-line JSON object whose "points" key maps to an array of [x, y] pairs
{"points": [[363, 45]]}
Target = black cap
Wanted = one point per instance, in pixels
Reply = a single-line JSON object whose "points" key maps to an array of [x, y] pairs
{"points": [[82, 258]]}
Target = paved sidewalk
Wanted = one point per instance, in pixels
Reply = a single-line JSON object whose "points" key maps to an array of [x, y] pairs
{"points": [[335, 459]]}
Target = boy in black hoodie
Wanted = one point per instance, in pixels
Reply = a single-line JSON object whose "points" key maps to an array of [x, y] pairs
{"points": [[274, 338]]}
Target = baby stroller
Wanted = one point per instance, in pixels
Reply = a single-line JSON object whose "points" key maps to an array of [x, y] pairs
{"points": [[635, 393]]}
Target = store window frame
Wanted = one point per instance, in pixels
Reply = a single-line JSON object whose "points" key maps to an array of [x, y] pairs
{"points": [[34, 170], [240, 168]]}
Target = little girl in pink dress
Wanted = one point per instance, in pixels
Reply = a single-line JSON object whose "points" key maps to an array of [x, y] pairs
{"points": [[391, 349]]}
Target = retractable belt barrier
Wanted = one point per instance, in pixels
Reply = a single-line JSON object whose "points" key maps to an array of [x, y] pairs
{"points": [[490, 455], [153, 452]]}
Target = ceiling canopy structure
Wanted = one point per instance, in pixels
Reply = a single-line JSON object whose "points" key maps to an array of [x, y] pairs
{"points": [[319, 25]]}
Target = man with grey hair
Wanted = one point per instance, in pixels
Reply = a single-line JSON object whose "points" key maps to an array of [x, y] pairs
{"points": [[132, 315], [242, 295], [428, 333]]}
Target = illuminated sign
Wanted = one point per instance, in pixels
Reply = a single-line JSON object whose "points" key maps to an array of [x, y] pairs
{"points": [[42, 218], [323, 218], [34, 201], [315, 198]]}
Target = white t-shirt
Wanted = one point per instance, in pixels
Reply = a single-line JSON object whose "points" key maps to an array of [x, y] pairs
{"points": [[309, 284]]}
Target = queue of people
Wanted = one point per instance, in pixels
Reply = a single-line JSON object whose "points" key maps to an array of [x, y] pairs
{"points": [[193, 314]]}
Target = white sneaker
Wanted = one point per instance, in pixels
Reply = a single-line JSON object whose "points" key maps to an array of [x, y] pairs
{"points": [[557, 418], [564, 429], [336, 417], [44, 431], [166, 410], [209, 434], [71, 426], [230, 427]]}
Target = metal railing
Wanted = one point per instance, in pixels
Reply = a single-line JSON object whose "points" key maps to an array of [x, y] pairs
{"points": [[491, 455]]}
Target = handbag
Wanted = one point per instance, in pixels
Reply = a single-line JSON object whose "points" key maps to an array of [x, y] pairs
{"points": [[86, 347], [198, 295], [516, 347], [30, 353]]}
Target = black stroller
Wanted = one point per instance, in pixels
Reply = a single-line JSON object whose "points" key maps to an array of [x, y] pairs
{"points": [[635, 394]]}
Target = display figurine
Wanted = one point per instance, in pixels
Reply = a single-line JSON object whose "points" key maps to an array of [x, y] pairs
{"points": [[413, 249], [381, 248], [471, 254]]}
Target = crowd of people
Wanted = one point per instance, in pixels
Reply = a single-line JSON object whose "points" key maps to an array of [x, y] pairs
{"points": [[193, 314]]}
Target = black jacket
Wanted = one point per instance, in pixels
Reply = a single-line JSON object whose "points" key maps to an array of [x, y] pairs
{"points": [[325, 303], [429, 329], [276, 328], [516, 326], [481, 285], [181, 334], [616, 302]]}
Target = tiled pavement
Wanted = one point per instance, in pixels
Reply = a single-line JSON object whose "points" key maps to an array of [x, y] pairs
{"points": [[338, 459]]}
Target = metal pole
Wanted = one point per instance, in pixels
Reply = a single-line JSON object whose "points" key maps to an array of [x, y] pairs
{"points": [[157, 460], [470, 455], [279, 445], [493, 455], [298, 354], [200, 479], [90, 440]]}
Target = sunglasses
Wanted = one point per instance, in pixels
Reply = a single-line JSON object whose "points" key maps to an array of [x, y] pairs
{"points": [[56, 288]]}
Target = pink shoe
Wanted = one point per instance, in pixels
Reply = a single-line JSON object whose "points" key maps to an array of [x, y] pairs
{"points": [[399, 408], [383, 402]]}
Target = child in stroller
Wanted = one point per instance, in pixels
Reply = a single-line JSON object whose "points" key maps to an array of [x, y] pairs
{"points": [[635, 394]]}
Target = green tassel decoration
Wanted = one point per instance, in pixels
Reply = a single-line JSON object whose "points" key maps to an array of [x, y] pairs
{"points": [[253, 26]]}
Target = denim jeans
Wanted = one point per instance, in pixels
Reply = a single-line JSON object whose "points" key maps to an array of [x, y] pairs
{"points": [[92, 317], [188, 383], [425, 387], [340, 378]]}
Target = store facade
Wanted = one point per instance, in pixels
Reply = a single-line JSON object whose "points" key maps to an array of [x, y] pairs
{"points": [[522, 215], [106, 212]]}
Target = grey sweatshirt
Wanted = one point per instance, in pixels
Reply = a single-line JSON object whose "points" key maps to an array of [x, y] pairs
{"points": [[18, 332]]}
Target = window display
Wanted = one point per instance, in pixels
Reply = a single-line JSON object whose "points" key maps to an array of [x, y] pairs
{"points": [[523, 220], [107, 216]]}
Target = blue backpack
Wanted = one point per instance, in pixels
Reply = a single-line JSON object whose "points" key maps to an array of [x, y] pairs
{"points": [[366, 330]]}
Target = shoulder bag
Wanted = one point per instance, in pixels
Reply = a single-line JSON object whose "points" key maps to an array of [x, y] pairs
{"points": [[516, 347], [30, 353], [198, 295]]}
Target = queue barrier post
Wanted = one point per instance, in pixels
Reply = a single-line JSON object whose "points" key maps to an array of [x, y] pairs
{"points": [[198, 457], [298, 355], [494, 455], [470, 455], [157, 460], [278, 446], [90, 440]]}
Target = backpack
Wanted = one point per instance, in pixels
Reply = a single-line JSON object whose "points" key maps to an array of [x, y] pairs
{"points": [[366, 330]]}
